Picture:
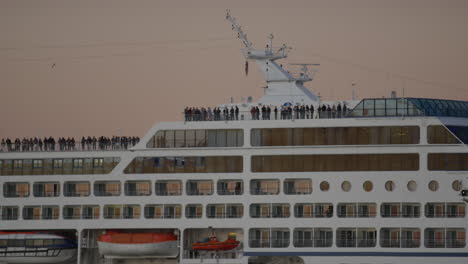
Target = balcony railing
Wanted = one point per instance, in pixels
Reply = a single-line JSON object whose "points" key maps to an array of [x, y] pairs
{"points": [[138, 192], [298, 190], [10, 217], [47, 194], [445, 243], [230, 254], [107, 193], [269, 243], [224, 215], [400, 243], [76, 193], [279, 115], [200, 191], [13, 194], [229, 192], [264, 191], [169, 192]]}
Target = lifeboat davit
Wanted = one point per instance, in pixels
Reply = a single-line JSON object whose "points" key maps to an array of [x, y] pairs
{"points": [[212, 244], [115, 244], [36, 247]]}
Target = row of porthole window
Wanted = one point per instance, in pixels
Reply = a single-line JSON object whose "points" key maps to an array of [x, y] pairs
{"points": [[236, 210], [193, 187]]}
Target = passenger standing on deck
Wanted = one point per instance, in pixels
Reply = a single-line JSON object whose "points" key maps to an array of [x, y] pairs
{"points": [[237, 113]]}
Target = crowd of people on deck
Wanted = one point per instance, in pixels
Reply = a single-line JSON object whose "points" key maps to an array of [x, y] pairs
{"points": [[67, 144], [267, 112], [206, 114]]}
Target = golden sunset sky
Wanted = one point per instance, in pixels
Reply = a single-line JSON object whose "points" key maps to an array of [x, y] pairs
{"points": [[107, 67]]}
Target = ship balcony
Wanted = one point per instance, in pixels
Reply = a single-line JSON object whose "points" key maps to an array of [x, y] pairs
{"points": [[9, 213], [200, 187], [441, 243], [265, 187], [168, 188], [269, 237], [121, 211], [162, 211], [270, 211], [269, 243], [400, 243], [15, 189], [230, 187], [298, 186], [107, 188], [74, 212], [224, 211]]}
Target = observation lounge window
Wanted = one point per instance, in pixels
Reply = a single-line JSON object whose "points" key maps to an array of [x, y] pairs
{"points": [[58, 163], [197, 138], [315, 136], [210, 164], [447, 161], [98, 163], [77, 163], [336, 162], [437, 134]]}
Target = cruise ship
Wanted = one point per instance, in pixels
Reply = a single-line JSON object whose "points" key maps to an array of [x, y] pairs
{"points": [[287, 179]]}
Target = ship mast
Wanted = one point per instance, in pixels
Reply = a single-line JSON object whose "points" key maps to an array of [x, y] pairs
{"points": [[282, 86]]}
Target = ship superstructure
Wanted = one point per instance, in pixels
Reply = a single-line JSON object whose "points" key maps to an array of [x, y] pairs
{"points": [[381, 182]]}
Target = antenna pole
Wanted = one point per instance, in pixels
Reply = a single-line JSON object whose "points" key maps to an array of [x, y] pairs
{"points": [[240, 33]]}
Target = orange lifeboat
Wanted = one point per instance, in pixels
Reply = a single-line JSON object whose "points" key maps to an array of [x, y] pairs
{"points": [[212, 244], [114, 244]]}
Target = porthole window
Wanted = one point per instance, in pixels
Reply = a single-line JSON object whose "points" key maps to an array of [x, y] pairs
{"points": [[346, 186], [433, 186], [324, 186], [367, 186], [457, 185], [412, 186], [389, 186]]}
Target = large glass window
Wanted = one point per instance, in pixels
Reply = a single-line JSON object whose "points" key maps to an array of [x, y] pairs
{"points": [[335, 136], [58, 166], [197, 138], [343, 162], [440, 135], [447, 161], [211, 164]]}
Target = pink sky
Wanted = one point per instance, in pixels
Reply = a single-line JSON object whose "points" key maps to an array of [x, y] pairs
{"points": [[122, 66]]}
